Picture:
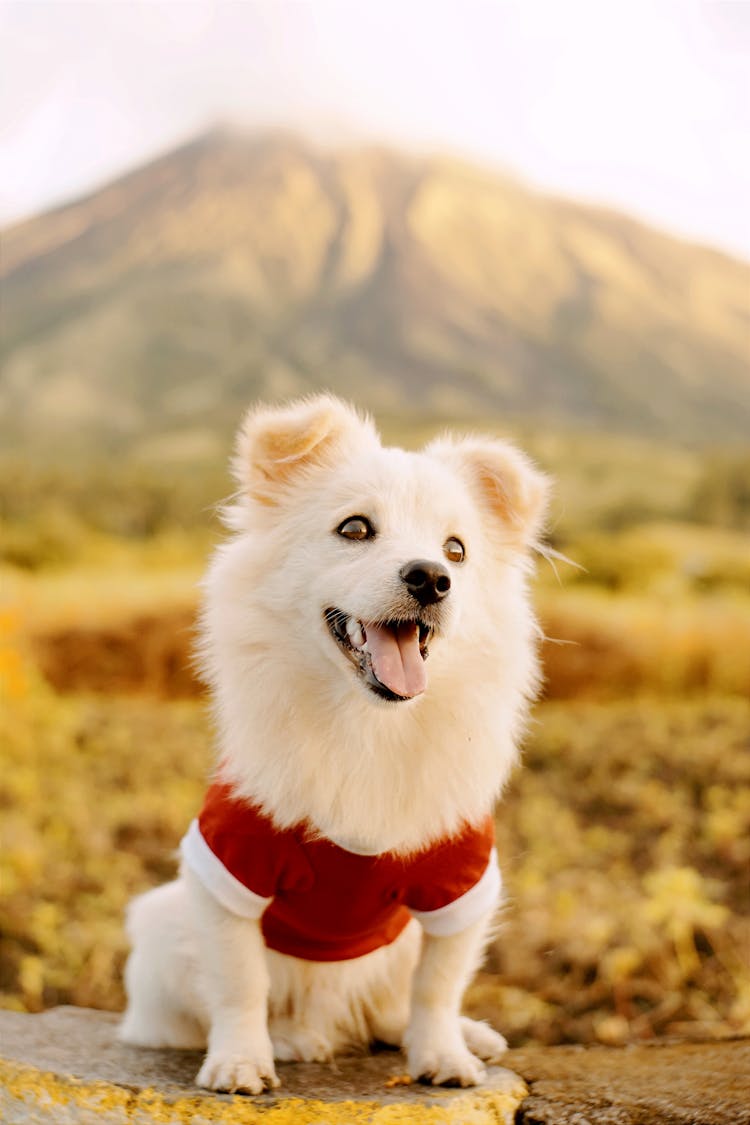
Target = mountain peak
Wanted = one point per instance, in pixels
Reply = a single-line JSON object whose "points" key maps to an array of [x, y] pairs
{"points": [[256, 263]]}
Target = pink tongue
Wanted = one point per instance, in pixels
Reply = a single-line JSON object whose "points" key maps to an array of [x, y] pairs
{"points": [[396, 659]]}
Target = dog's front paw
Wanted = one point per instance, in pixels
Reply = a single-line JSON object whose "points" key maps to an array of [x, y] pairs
{"points": [[293, 1043], [237, 1074], [440, 1067], [483, 1041], [439, 1055]]}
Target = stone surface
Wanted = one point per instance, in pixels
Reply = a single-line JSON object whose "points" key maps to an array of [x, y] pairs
{"points": [[663, 1083], [66, 1066]]}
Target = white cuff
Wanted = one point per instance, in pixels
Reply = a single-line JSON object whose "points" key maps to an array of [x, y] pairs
{"points": [[233, 895], [464, 911]]}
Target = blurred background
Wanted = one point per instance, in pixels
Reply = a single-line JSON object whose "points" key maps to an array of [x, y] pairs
{"points": [[525, 217]]}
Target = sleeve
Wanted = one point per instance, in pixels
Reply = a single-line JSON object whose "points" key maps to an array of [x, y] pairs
{"points": [[237, 853], [458, 883]]}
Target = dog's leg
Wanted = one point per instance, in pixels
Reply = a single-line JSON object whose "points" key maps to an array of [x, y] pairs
{"points": [[235, 981], [435, 1042], [163, 1008]]}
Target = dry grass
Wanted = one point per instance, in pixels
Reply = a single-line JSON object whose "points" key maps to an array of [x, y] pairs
{"points": [[604, 648], [624, 841], [626, 844]]}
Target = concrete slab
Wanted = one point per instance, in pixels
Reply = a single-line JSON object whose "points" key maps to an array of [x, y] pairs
{"points": [[66, 1066], [662, 1083]]}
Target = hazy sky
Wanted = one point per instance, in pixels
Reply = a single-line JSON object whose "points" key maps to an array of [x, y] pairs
{"points": [[644, 105]]}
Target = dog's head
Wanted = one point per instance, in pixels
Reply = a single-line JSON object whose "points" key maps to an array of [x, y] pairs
{"points": [[373, 559]]}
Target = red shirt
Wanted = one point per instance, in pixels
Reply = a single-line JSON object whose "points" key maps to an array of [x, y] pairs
{"points": [[321, 902]]}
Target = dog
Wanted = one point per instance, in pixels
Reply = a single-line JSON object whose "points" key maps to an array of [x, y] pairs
{"points": [[368, 640]]}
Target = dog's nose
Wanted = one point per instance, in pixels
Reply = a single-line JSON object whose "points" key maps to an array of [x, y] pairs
{"points": [[428, 582]]}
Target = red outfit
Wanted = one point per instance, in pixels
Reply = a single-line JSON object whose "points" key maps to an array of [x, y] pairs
{"points": [[321, 902]]}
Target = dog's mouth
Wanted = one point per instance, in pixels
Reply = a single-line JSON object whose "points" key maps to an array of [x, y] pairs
{"points": [[388, 655]]}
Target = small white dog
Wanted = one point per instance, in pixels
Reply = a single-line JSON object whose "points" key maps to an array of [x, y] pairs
{"points": [[339, 884]]}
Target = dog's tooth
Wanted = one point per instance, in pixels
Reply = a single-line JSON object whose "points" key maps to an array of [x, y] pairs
{"points": [[354, 633]]}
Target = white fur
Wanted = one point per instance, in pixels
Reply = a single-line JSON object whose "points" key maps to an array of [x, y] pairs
{"points": [[300, 735]]}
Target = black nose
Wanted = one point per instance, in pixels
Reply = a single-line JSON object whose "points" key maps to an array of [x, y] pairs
{"points": [[428, 582]]}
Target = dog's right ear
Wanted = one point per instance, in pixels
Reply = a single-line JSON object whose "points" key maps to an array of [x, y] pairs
{"points": [[277, 444]]}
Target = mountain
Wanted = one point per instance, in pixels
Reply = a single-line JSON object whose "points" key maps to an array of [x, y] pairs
{"points": [[244, 266]]}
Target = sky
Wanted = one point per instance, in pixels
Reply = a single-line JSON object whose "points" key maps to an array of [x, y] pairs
{"points": [[643, 105]]}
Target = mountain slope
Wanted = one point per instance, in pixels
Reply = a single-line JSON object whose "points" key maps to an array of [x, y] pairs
{"points": [[238, 266]]}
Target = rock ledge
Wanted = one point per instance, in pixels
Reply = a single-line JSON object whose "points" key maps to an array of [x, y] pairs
{"points": [[66, 1066]]}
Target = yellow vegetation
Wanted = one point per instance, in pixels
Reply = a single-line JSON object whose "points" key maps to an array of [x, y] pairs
{"points": [[624, 842], [625, 837]]}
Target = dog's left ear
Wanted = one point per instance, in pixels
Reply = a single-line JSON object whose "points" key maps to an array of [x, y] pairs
{"points": [[278, 444], [505, 480]]}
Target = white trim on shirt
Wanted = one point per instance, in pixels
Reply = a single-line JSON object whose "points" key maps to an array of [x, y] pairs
{"points": [[216, 878], [468, 908]]}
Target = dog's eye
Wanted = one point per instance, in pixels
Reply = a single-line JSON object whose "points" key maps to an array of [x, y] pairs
{"points": [[356, 527], [454, 550]]}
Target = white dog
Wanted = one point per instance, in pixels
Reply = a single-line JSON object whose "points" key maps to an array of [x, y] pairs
{"points": [[339, 884]]}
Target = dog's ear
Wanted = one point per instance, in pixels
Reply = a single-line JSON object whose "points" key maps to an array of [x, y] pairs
{"points": [[276, 444], [506, 481]]}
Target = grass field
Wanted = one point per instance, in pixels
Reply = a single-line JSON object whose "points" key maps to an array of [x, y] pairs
{"points": [[624, 836], [624, 840]]}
